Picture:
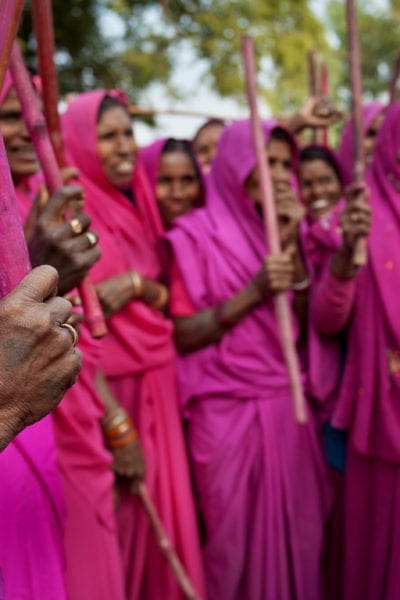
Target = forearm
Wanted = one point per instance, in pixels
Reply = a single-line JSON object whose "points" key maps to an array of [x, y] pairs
{"points": [[111, 404], [333, 301], [209, 326]]}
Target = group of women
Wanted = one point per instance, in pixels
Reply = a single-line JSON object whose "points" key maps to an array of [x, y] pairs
{"points": [[189, 391]]}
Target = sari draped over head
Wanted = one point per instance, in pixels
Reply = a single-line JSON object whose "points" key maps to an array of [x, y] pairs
{"points": [[218, 250], [345, 151], [140, 336], [369, 400], [245, 447]]}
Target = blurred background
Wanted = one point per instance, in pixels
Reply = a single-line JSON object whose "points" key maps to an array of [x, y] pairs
{"points": [[185, 54]]}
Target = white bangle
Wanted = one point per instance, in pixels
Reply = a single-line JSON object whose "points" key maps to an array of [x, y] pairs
{"points": [[299, 286]]}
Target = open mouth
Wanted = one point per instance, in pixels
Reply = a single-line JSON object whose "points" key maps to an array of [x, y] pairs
{"points": [[124, 168], [25, 153]]}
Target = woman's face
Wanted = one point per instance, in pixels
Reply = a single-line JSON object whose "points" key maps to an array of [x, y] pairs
{"points": [[279, 155], [319, 186], [116, 146], [177, 187], [20, 151], [205, 145], [370, 137]]}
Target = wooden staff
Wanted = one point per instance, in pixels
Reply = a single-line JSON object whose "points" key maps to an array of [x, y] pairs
{"points": [[13, 251], [10, 15], [394, 81], [36, 125], [138, 111], [312, 82], [360, 251], [324, 91], [165, 544], [282, 308]]}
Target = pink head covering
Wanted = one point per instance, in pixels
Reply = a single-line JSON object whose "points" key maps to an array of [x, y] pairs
{"points": [[219, 249], [150, 159], [7, 85], [129, 230], [345, 152], [370, 398]]}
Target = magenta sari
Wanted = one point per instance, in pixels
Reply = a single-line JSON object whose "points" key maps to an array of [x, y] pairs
{"points": [[259, 477], [369, 401], [32, 512], [138, 359]]}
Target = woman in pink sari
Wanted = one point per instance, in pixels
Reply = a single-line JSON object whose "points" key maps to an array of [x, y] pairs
{"points": [[369, 401], [87, 550], [137, 356], [259, 477]]}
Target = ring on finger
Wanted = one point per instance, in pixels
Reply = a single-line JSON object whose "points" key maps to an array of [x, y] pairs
{"points": [[92, 238], [73, 332], [76, 226]]}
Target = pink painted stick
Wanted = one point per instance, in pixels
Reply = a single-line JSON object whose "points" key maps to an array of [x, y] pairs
{"points": [[165, 544], [13, 251], [394, 81], [36, 125], [282, 308], [360, 252], [324, 91], [10, 14]]}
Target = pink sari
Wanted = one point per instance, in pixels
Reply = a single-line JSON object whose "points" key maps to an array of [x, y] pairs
{"points": [[138, 359], [260, 477], [32, 512]]}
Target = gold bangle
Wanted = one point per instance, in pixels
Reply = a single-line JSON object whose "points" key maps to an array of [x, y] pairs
{"points": [[114, 418], [162, 297], [137, 283]]}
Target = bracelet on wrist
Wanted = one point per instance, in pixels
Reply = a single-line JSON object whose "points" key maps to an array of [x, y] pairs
{"points": [[119, 429], [162, 298], [137, 283], [300, 286]]}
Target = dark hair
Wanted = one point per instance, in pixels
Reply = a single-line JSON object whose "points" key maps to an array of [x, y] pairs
{"points": [[107, 103], [311, 153], [210, 123], [174, 145], [185, 147]]}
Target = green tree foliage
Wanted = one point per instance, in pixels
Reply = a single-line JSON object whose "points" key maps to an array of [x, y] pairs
{"points": [[156, 32]]}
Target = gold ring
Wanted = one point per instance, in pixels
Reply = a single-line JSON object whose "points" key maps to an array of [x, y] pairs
{"points": [[92, 237], [73, 331], [76, 226]]}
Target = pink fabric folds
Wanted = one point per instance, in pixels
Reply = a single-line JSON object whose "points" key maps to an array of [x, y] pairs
{"points": [[134, 356], [369, 402], [263, 522]]}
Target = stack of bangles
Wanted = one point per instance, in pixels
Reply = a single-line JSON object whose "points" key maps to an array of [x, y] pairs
{"points": [[119, 429]]}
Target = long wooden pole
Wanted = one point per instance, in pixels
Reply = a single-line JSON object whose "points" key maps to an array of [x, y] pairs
{"points": [[360, 252], [138, 111], [394, 81], [36, 125], [312, 81], [10, 15], [282, 307], [165, 544], [14, 258], [324, 91]]}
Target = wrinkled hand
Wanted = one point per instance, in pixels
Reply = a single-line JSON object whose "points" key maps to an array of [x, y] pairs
{"points": [[318, 111], [38, 362], [114, 293], [289, 212], [355, 219], [129, 464], [52, 241], [276, 274]]}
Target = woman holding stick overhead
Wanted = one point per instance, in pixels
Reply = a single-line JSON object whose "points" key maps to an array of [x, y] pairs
{"points": [[137, 356], [365, 302], [259, 476]]}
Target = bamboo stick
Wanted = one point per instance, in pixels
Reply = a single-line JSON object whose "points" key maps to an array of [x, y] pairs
{"points": [[165, 544], [137, 111], [13, 251], [324, 91], [312, 82], [282, 308], [360, 251], [10, 15], [36, 125], [394, 81]]}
